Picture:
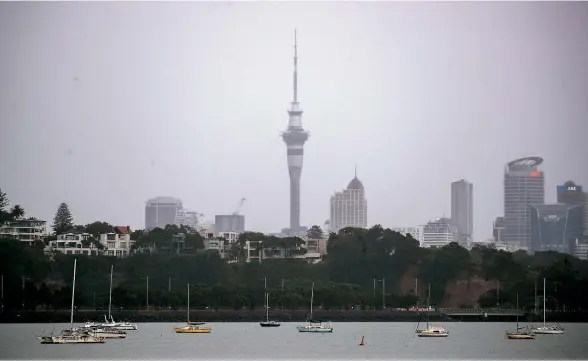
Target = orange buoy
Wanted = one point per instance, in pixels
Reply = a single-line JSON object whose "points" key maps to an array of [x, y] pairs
{"points": [[361, 343]]}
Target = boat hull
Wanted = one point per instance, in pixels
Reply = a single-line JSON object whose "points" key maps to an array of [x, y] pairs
{"points": [[109, 335], [270, 324], [518, 336], [314, 329], [197, 330], [70, 340], [548, 332], [426, 334]]}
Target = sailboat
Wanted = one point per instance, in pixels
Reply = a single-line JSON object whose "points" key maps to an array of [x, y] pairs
{"points": [[545, 329], [315, 325], [109, 322], [431, 331], [522, 333], [192, 327], [72, 335], [268, 322]]}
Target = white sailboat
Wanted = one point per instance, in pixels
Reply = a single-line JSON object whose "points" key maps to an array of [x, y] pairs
{"points": [[547, 329], [72, 335], [268, 322], [314, 325], [109, 321], [430, 330]]}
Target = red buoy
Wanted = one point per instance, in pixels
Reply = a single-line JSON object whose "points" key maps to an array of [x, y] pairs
{"points": [[361, 343]]}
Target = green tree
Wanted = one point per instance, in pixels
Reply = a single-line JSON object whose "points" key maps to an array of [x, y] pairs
{"points": [[16, 212], [314, 232], [63, 220]]}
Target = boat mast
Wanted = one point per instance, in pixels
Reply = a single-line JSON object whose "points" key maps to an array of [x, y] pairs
{"points": [[311, 300], [543, 301], [73, 292], [517, 312], [188, 302], [429, 305], [267, 307], [110, 292]]}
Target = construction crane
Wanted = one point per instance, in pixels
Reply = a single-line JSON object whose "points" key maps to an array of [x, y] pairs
{"points": [[236, 213]]}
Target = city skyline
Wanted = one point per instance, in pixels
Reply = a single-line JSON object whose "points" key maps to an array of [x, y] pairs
{"points": [[194, 110]]}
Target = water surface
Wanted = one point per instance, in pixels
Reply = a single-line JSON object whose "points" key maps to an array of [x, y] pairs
{"points": [[240, 341]]}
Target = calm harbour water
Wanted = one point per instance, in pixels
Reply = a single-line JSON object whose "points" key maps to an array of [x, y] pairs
{"points": [[248, 341]]}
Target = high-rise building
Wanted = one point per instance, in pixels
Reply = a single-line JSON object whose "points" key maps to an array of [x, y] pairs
{"points": [[573, 194], [161, 211], [555, 227], [349, 207], [462, 210], [295, 137], [234, 223], [524, 184], [439, 233]]}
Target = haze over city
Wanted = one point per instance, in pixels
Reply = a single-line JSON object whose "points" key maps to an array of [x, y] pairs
{"points": [[105, 105]]}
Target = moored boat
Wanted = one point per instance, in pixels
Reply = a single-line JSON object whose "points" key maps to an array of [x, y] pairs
{"points": [[268, 322], [522, 333], [72, 335], [314, 325], [193, 327], [430, 330], [547, 329]]}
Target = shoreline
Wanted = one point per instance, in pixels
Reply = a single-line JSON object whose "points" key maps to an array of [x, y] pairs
{"points": [[63, 316]]}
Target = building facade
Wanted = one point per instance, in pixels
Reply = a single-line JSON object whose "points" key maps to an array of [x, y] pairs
{"points": [[229, 223], [349, 207], [439, 233], [573, 194], [524, 184], [73, 243], [188, 218], [118, 243], [27, 231], [462, 210], [555, 227], [161, 211], [415, 232]]}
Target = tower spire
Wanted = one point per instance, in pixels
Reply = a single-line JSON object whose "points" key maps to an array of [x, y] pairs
{"points": [[295, 68], [355, 173]]}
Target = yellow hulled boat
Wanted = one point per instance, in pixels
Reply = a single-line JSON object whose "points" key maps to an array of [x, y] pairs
{"points": [[193, 327]]}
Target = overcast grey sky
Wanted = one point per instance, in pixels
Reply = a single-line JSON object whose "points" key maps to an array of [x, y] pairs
{"points": [[104, 105]]}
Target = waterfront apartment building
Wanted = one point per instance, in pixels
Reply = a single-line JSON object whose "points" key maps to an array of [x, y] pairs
{"points": [[161, 211], [27, 231], [73, 243], [349, 207], [462, 210], [117, 243], [524, 184]]}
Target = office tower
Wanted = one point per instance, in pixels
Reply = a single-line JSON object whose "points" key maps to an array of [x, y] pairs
{"points": [[524, 184], [161, 211], [462, 210]]}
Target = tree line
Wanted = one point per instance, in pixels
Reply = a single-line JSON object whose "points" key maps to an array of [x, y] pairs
{"points": [[358, 264]]}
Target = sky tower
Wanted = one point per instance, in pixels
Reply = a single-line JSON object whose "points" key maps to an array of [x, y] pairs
{"points": [[295, 137]]}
